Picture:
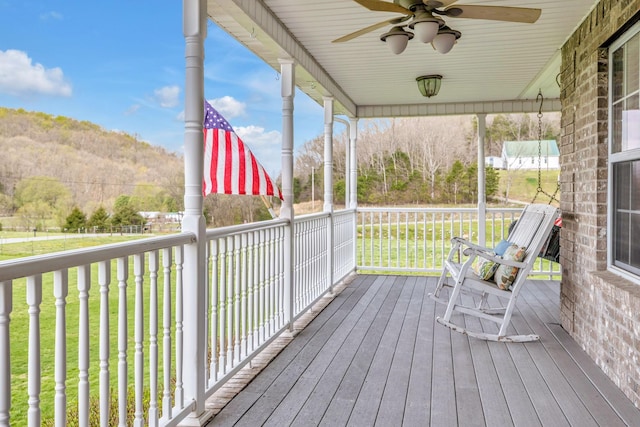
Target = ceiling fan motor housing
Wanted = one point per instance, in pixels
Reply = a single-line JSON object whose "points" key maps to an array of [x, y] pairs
{"points": [[411, 4]]}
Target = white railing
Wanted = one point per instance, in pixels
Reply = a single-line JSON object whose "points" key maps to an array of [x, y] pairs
{"points": [[259, 279], [416, 240], [246, 290], [111, 317]]}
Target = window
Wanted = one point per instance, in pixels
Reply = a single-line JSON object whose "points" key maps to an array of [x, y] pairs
{"points": [[624, 153]]}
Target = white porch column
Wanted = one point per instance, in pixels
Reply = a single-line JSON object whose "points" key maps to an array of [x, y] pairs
{"points": [[328, 154], [347, 162], [353, 166], [328, 183], [482, 188], [194, 323], [287, 70]]}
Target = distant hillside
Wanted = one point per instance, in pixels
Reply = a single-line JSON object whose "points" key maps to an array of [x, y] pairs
{"points": [[96, 165]]}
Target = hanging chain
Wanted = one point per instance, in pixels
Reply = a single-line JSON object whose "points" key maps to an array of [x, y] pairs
{"points": [[539, 190]]}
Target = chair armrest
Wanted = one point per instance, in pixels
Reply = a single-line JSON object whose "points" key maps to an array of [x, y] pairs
{"points": [[459, 241]]}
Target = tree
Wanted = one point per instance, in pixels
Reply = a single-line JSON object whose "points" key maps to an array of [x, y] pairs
{"points": [[492, 181], [76, 221], [454, 180], [99, 219], [47, 190], [124, 213]]}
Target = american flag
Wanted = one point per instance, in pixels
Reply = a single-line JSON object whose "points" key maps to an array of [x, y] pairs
{"points": [[229, 166]]}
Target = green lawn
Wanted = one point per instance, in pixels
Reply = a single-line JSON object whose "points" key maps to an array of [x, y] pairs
{"points": [[523, 185]]}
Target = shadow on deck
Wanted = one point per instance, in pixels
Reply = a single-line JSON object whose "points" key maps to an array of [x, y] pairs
{"points": [[376, 356]]}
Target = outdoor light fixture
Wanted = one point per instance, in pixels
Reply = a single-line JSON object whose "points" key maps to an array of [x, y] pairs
{"points": [[426, 26], [429, 85], [427, 29], [445, 39], [397, 39]]}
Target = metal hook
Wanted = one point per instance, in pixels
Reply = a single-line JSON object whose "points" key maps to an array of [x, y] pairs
{"points": [[541, 99]]}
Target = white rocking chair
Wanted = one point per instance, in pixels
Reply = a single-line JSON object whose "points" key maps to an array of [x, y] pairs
{"points": [[531, 233]]}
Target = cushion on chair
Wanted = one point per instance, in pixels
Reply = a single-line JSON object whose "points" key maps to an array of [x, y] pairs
{"points": [[484, 268], [506, 274], [501, 247]]}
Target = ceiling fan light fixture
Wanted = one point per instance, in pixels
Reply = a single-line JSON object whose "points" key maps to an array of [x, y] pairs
{"points": [[425, 29], [445, 39], [429, 85], [397, 39]]}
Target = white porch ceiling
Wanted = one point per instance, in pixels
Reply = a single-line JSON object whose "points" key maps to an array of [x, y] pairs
{"points": [[495, 66]]}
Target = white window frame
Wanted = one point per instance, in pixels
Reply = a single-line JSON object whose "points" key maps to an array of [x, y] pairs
{"points": [[622, 156]]}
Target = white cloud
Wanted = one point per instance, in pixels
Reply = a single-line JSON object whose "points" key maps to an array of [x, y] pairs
{"points": [[167, 96], [132, 110], [51, 15], [229, 107], [266, 146], [19, 76]]}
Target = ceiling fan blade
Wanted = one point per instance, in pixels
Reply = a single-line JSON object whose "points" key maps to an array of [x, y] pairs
{"points": [[383, 6], [497, 13], [363, 31]]}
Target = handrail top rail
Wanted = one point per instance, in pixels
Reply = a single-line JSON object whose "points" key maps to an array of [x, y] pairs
{"points": [[311, 216], [435, 210], [38, 264], [230, 230]]}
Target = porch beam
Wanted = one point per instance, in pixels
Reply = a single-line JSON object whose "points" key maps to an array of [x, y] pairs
{"points": [[460, 108]]}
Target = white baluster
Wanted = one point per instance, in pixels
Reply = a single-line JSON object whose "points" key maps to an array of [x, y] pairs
{"points": [[153, 337], [236, 298], [222, 342], [166, 336], [251, 282], [273, 310], [213, 368], [123, 335], [34, 299], [104, 280], [60, 292], [229, 303], [138, 337], [84, 285], [6, 306], [261, 302], [179, 395], [243, 299]]}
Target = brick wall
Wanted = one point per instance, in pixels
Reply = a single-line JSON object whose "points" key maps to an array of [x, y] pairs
{"points": [[599, 309]]}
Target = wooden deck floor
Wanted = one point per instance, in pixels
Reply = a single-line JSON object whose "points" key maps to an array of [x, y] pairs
{"points": [[376, 357]]}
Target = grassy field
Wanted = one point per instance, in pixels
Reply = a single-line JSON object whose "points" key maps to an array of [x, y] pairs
{"points": [[523, 185]]}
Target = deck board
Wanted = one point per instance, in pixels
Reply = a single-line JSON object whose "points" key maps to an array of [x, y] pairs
{"points": [[376, 356]]}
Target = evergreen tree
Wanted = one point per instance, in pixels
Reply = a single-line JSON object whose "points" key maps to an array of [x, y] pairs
{"points": [[99, 220], [76, 221]]}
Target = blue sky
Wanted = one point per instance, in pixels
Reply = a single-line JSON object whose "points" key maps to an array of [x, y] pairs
{"points": [[120, 64]]}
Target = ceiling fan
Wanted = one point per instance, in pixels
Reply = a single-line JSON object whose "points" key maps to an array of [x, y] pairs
{"points": [[424, 18]]}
